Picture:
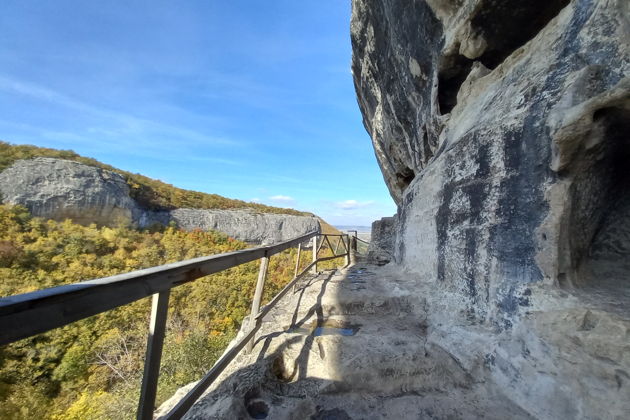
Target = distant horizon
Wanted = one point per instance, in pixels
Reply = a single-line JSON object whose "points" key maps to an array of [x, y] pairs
{"points": [[249, 101], [349, 227]]}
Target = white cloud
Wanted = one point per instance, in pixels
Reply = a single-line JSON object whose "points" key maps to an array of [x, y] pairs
{"points": [[255, 200], [353, 204], [282, 198]]}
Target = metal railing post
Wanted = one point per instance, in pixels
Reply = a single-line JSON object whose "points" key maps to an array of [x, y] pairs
{"points": [[260, 284], [155, 342], [315, 254]]}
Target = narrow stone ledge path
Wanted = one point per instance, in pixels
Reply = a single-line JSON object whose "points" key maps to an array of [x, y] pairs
{"points": [[349, 344]]}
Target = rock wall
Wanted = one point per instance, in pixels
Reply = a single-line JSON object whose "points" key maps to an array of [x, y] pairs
{"points": [[240, 224], [61, 189], [381, 248], [502, 130]]}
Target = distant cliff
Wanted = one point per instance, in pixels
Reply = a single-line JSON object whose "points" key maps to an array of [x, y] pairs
{"points": [[63, 189], [148, 193], [245, 225]]}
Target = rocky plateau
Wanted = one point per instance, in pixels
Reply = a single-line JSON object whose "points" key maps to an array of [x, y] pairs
{"points": [[62, 189]]}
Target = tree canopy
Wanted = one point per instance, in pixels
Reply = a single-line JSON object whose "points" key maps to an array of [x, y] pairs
{"points": [[92, 368]]}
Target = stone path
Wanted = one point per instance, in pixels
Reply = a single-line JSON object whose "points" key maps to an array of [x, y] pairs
{"points": [[350, 344]]}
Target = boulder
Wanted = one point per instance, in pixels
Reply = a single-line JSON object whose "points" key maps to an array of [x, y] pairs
{"points": [[62, 189]]}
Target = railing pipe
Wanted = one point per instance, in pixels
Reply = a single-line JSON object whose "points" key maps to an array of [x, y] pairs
{"points": [[337, 246], [328, 242], [31, 313], [353, 249], [297, 264], [297, 260], [36, 312]]}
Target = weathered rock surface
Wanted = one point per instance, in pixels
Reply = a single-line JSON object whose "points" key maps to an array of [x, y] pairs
{"points": [[373, 342], [502, 130], [351, 344], [240, 224], [526, 161], [61, 189], [381, 248]]}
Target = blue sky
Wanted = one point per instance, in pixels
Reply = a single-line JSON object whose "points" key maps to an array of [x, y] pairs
{"points": [[248, 99]]}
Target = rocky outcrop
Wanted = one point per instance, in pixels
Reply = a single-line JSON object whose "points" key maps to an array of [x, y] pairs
{"points": [[244, 225], [381, 248], [502, 130], [61, 189]]}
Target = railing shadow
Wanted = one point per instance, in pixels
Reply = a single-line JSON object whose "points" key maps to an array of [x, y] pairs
{"points": [[316, 310], [251, 391], [277, 373]]}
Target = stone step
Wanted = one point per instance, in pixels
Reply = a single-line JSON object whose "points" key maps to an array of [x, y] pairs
{"points": [[350, 345], [456, 404], [353, 292], [351, 329], [367, 354]]}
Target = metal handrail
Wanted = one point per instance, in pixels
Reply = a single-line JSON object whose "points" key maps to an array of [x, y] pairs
{"points": [[36, 312]]}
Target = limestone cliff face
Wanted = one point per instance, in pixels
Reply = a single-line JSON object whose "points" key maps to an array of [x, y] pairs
{"points": [[382, 241], [262, 228], [61, 189], [503, 132], [501, 129]]}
